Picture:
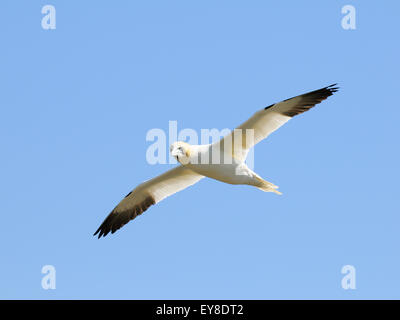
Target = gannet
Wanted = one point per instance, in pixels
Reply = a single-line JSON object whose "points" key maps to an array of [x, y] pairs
{"points": [[223, 160]]}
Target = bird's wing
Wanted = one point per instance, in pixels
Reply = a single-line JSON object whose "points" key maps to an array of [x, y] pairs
{"points": [[269, 119], [147, 194]]}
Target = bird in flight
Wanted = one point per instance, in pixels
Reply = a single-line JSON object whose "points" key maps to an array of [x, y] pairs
{"points": [[223, 160]]}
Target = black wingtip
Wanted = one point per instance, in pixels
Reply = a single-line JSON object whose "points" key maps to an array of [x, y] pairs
{"points": [[99, 236], [308, 100], [117, 219], [103, 230], [324, 92], [333, 87]]}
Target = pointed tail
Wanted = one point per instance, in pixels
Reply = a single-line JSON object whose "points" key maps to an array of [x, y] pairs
{"points": [[268, 187]]}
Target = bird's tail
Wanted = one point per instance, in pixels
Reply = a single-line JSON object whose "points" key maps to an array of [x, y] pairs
{"points": [[267, 186]]}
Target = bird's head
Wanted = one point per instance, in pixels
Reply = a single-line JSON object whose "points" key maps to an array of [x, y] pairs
{"points": [[181, 151]]}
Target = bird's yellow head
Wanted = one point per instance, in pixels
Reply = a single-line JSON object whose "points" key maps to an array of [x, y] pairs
{"points": [[181, 151]]}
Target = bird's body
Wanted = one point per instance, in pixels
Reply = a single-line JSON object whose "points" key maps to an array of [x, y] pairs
{"points": [[225, 168], [223, 160], [236, 173]]}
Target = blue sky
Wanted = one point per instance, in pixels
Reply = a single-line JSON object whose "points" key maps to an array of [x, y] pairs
{"points": [[77, 102]]}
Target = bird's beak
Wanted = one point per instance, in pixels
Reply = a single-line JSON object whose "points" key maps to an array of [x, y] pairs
{"points": [[174, 153]]}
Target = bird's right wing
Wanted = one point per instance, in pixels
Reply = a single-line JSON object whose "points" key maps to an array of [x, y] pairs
{"points": [[147, 194], [269, 119]]}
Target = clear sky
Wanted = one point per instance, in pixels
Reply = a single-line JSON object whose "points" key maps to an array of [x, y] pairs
{"points": [[76, 105]]}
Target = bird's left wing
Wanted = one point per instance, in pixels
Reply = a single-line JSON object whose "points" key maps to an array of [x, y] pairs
{"points": [[269, 119], [147, 194]]}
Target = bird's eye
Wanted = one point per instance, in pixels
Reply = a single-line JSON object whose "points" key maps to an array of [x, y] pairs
{"points": [[180, 149]]}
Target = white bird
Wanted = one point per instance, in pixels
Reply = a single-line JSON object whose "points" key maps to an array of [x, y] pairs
{"points": [[223, 160]]}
